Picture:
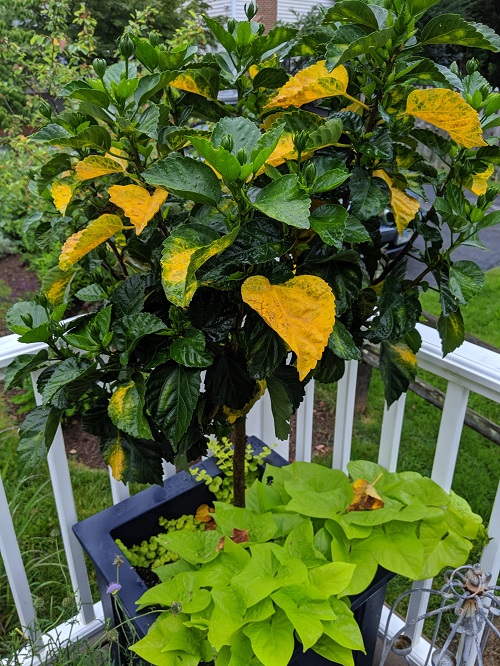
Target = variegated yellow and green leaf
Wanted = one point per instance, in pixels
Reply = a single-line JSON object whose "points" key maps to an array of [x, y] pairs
{"points": [[301, 311], [184, 252], [62, 193], [55, 284], [403, 206], [447, 110], [95, 166], [126, 410], [117, 458], [137, 203], [478, 182], [310, 84], [81, 243], [203, 81]]}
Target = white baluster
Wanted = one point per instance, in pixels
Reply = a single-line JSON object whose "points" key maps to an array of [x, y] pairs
{"points": [[344, 416], [304, 428], [119, 490], [390, 436]]}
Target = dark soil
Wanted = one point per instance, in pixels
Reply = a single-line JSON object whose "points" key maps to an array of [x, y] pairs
{"points": [[22, 281]]}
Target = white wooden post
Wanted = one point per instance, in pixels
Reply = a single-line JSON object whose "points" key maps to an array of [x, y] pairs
{"points": [[16, 573], [445, 458], [66, 511], [390, 436], [119, 490], [304, 428], [260, 422], [344, 416]]}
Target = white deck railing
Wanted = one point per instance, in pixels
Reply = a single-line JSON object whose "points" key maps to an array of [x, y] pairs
{"points": [[469, 369]]}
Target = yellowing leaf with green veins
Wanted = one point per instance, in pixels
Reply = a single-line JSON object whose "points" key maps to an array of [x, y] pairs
{"points": [[119, 156], [126, 410], [233, 414], [55, 283], [311, 84], [202, 82], [301, 311], [62, 192], [478, 182], [95, 166], [184, 251], [81, 243], [447, 110], [403, 206], [117, 459], [137, 203]]}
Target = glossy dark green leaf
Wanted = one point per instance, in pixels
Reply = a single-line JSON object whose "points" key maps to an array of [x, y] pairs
{"points": [[355, 232], [189, 350], [329, 180], [438, 144], [281, 407], [146, 53], [466, 280], [141, 461], [185, 177], [277, 39], [52, 168], [398, 367], [451, 331], [328, 222], [264, 348], [128, 297], [342, 343], [222, 160], [286, 201], [229, 383], [452, 29], [369, 196], [132, 328], [222, 35], [352, 11], [268, 77], [95, 136], [17, 371], [338, 51], [66, 371], [24, 316], [51, 134], [172, 394], [92, 293], [243, 132], [257, 243], [97, 97]]}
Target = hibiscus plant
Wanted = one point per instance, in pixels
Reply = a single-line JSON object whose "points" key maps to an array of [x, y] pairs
{"points": [[235, 248]]}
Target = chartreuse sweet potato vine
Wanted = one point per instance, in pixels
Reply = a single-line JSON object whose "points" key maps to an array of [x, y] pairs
{"points": [[282, 568], [243, 241]]}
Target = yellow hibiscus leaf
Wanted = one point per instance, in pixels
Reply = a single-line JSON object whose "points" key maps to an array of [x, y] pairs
{"points": [[61, 195], [119, 156], [311, 84], [81, 243], [184, 251], [95, 166], [478, 182], [116, 458], [202, 82], [137, 203], [447, 110], [301, 311], [403, 206]]}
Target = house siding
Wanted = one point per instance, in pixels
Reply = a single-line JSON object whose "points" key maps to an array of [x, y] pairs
{"points": [[285, 8]]}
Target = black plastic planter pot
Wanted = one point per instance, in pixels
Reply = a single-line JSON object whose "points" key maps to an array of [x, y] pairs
{"points": [[136, 519]]}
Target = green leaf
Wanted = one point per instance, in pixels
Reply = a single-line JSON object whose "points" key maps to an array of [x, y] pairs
{"points": [[257, 243], [299, 545], [172, 396], [466, 280], [441, 548], [26, 311], [331, 650], [398, 367], [266, 145], [151, 647], [369, 196], [419, 7], [284, 200], [355, 232], [261, 527], [277, 39], [332, 578], [186, 177], [344, 629], [222, 160], [325, 135], [264, 348], [338, 51], [221, 34], [489, 220], [128, 297], [97, 97], [438, 144], [328, 222], [396, 547], [244, 133], [130, 459], [269, 77], [150, 84], [95, 137], [451, 331], [22, 366], [272, 639], [229, 383], [189, 350], [51, 134], [145, 53], [281, 407], [194, 547], [329, 180], [92, 294], [126, 409], [352, 11], [184, 252], [65, 372], [452, 29], [148, 121], [342, 343], [129, 330], [317, 491], [56, 165], [36, 435]]}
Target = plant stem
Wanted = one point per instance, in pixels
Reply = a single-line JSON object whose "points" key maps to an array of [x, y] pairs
{"points": [[239, 438]]}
